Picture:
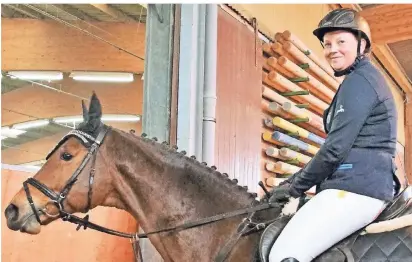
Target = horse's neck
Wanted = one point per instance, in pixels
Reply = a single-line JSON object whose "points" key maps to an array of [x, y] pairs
{"points": [[163, 189]]}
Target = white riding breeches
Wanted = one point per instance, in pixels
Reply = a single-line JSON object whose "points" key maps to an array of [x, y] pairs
{"points": [[323, 221]]}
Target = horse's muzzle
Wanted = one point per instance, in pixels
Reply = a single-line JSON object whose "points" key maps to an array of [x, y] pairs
{"points": [[12, 215]]}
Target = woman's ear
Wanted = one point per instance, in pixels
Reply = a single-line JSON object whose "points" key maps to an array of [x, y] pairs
{"points": [[363, 46]]}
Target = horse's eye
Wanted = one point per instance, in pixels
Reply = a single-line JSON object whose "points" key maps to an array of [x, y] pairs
{"points": [[66, 156]]}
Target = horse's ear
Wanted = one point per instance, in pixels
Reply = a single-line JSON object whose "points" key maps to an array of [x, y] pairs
{"points": [[95, 108], [85, 112]]}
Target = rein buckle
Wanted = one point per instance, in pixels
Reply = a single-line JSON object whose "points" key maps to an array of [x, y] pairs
{"points": [[84, 225]]}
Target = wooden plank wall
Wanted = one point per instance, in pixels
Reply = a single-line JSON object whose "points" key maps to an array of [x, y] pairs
{"points": [[31, 44], [59, 241], [238, 101], [40, 102]]}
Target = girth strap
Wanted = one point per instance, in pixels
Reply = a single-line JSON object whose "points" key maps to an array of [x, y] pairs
{"points": [[348, 254], [227, 248]]}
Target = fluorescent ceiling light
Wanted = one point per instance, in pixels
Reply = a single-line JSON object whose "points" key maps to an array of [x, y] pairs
{"points": [[102, 76], [35, 163], [106, 117], [10, 132], [68, 119], [121, 118], [36, 75], [32, 168], [31, 124]]}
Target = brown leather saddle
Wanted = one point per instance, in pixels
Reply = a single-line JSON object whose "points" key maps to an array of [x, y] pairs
{"points": [[389, 246]]}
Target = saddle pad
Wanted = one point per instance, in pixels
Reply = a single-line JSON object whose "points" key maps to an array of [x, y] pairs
{"points": [[394, 247]]}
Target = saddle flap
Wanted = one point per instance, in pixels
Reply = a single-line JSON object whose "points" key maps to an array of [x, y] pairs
{"points": [[269, 237], [397, 206]]}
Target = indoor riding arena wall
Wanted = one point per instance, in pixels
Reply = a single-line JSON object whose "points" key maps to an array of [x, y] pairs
{"points": [[60, 241]]}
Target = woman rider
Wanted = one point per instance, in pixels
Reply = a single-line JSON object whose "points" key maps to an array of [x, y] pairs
{"points": [[354, 168]]}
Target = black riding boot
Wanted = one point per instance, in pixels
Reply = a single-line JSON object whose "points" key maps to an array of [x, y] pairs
{"points": [[290, 259]]}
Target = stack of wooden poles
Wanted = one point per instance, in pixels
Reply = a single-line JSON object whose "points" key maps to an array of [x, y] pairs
{"points": [[297, 87]]}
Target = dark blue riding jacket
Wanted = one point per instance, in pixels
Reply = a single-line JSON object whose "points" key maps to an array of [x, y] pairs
{"points": [[358, 154]]}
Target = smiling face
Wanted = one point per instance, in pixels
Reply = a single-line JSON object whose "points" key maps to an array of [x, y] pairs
{"points": [[341, 49]]}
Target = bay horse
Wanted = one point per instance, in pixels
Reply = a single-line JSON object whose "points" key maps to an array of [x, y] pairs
{"points": [[190, 211]]}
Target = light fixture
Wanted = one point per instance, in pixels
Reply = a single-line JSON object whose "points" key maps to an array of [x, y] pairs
{"points": [[36, 75], [121, 118], [24, 168], [106, 117], [35, 163], [102, 76], [68, 119], [31, 124], [32, 168], [10, 132]]}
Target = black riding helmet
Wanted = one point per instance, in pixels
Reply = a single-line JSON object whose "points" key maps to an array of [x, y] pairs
{"points": [[348, 20]]}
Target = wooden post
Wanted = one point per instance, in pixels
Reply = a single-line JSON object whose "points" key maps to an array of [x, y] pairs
{"points": [[278, 79], [266, 48], [408, 136], [296, 70]]}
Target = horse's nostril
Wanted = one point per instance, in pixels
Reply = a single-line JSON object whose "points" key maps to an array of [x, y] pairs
{"points": [[12, 212]]}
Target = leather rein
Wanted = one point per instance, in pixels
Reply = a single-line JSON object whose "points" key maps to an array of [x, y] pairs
{"points": [[93, 145]]}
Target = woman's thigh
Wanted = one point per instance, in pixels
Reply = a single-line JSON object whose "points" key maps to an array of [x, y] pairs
{"points": [[327, 218]]}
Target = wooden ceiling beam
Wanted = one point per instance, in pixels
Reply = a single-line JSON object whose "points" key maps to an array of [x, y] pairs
{"points": [[388, 59], [118, 15], [389, 35], [22, 11], [8, 12], [377, 12], [389, 22], [74, 12]]}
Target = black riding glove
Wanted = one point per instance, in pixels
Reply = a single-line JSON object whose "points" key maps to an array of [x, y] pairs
{"points": [[285, 190], [280, 193]]}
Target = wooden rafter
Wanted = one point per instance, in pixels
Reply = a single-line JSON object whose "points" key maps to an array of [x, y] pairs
{"points": [[119, 15], [74, 11], [389, 22], [8, 12], [388, 59], [24, 12]]}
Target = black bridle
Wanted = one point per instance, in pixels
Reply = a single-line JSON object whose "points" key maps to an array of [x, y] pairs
{"points": [[93, 144], [57, 199]]}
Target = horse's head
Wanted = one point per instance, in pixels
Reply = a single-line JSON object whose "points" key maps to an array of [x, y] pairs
{"points": [[64, 184]]}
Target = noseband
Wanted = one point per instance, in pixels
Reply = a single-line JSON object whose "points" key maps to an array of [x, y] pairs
{"points": [[57, 199]]}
